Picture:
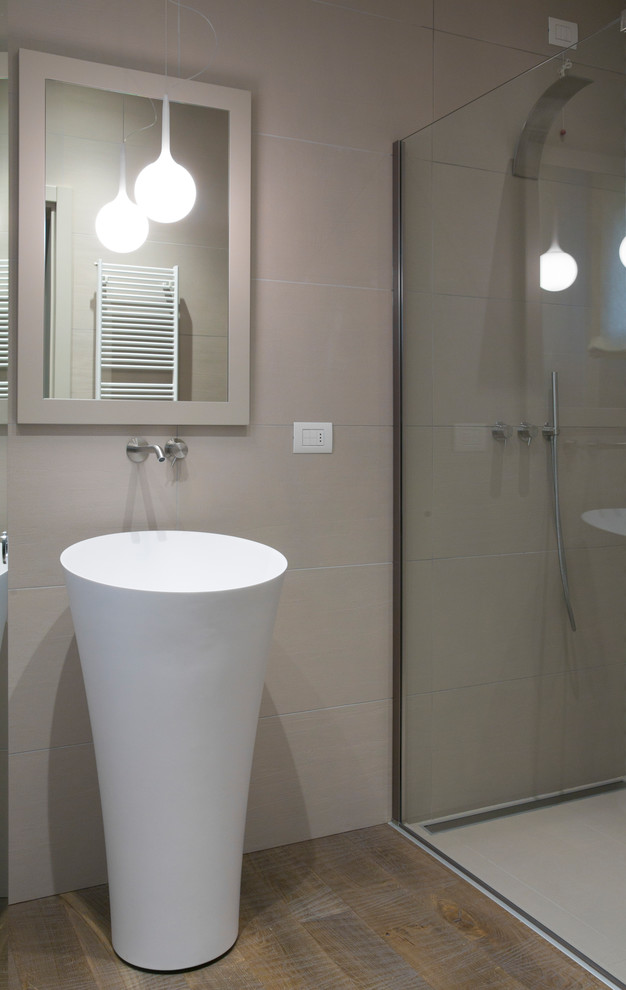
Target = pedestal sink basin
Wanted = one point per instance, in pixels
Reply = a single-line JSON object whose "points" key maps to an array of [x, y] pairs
{"points": [[612, 520], [173, 631]]}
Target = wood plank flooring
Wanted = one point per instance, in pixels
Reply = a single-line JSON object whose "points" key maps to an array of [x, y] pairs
{"points": [[365, 909]]}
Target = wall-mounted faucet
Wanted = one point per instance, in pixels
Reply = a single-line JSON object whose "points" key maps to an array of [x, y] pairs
{"points": [[137, 449]]}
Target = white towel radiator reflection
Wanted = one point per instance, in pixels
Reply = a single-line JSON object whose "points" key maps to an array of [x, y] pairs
{"points": [[136, 332]]}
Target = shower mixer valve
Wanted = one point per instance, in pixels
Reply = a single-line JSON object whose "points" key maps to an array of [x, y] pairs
{"points": [[501, 431], [527, 432]]}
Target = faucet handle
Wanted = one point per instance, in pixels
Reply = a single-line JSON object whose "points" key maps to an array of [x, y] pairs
{"points": [[176, 449]]}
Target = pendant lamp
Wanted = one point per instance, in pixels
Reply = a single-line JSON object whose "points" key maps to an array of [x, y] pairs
{"points": [[557, 269], [165, 190], [120, 225]]}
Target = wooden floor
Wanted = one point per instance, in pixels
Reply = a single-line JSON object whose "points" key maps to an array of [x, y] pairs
{"points": [[364, 909]]}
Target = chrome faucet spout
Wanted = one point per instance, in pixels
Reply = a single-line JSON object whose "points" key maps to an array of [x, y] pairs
{"points": [[137, 449], [157, 450]]}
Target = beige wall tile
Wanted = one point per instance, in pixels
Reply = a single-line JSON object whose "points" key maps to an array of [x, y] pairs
{"points": [[332, 640], [417, 758], [464, 69], [320, 511], [496, 618], [593, 746], [322, 214], [321, 349], [419, 206], [316, 773], [417, 358], [372, 66], [46, 691], [418, 606], [496, 743], [520, 26], [489, 501], [418, 481], [68, 487], [419, 11], [55, 824], [476, 250], [479, 366], [591, 471]]}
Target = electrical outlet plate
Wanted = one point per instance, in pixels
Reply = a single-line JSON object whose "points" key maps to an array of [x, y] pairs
{"points": [[312, 438]]}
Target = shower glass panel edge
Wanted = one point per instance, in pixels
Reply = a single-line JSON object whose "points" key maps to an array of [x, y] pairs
{"points": [[579, 173]]}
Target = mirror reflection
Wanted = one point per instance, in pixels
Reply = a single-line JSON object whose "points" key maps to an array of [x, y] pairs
{"points": [[135, 322]]}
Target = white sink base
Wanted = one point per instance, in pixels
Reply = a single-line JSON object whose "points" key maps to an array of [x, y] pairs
{"points": [[174, 684]]}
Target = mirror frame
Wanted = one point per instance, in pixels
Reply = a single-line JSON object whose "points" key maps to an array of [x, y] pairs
{"points": [[32, 407]]}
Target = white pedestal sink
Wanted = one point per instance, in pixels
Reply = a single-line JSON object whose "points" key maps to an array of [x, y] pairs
{"points": [[173, 630]]}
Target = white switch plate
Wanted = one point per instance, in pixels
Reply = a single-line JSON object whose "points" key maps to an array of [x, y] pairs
{"points": [[312, 438], [563, 34]]}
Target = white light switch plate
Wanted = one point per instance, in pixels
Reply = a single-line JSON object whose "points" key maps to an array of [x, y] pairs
{"points": [[312, 438], [561, 33]]}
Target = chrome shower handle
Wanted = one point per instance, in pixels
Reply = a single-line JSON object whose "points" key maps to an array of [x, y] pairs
{"points": [[176, 449], [501, 431], [527, 432]]}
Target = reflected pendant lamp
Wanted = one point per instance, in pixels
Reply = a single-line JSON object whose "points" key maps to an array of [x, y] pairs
{"points": [[120, 225], [165, 190], [557, 269]]}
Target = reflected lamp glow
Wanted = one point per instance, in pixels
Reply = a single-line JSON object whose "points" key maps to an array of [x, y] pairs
{"points": [[165, 190], [557, 269], [120, 225]]}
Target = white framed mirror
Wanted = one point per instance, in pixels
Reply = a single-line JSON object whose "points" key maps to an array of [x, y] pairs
{"points": [[111, 332]]}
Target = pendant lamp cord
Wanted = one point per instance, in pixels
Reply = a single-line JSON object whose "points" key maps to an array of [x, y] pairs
{"points": [[193, 10]]}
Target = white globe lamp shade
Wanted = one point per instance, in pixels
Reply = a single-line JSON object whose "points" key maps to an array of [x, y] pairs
{"points": [[165, 190], [622, 252], [120, 225], [557, 269]]}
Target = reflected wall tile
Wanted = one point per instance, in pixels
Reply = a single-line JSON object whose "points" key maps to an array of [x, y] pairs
{"points": [[418, 606], [593, 745], [496, 743], [321, 510], [479, 360], [417, 358], [496, 618], [484, 133], [332, 640], [418, 497], [477, 250], [596, 579], [591, 469], [317, 773], [321, 347], [46, 690], [107, 493], [323, 214], [418, 232], [489, 501], [417, 758], [55, 823]]}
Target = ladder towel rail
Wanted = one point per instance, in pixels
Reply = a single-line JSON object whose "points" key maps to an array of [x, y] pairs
{"points": [[136, 331]]}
